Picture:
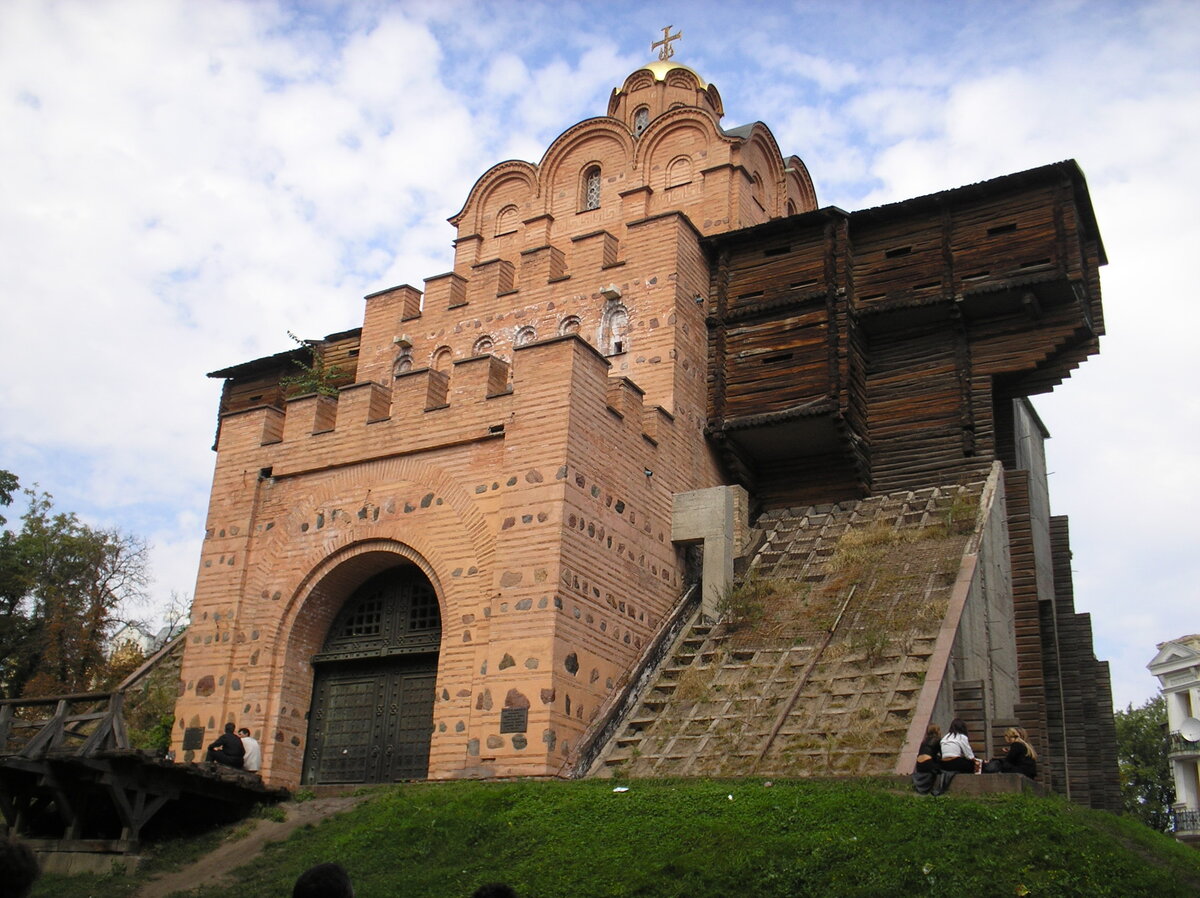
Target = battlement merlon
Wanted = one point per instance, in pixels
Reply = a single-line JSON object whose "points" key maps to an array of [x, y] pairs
{"points": [[472, 403]]}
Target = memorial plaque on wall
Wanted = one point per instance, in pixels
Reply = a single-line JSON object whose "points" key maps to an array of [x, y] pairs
{"points": [[193, 738], [514, 720]]}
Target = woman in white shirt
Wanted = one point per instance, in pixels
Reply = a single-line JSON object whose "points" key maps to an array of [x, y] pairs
{"points": [[957, 755]]}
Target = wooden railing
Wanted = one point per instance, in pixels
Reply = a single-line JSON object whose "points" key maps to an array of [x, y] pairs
{"points": [[79, 725]]}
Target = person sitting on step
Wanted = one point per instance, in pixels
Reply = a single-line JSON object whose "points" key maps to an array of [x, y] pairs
{"points": [[957, 754]]}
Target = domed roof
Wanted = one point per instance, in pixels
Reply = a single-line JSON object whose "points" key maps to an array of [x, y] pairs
{"points": [[660, 67]]}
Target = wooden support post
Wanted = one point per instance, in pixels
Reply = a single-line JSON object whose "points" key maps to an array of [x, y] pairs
{"points": [[5, 727], [50, 734]]}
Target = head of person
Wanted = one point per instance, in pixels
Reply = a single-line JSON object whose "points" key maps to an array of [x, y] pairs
{"points": [[243, 732], [323, 881], [1017, 734], [958, 727], [18, 867], [933, 733], [229, 727], [494, 890]]}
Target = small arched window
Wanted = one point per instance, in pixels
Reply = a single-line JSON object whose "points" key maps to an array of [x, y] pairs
{"points": [[591, 188], [757, 191], [641, 118], [442, 357], [483, 346], [615, 334], [525, 336], [506, 220], [679, 171], [569, 325], [404, 362]]}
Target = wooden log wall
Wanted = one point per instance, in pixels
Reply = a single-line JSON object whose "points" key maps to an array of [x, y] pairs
{"points": [[915, 318], [776, 330], [809, 480], [1088, 735], [258, 383], [918, 405], [778, 360]]}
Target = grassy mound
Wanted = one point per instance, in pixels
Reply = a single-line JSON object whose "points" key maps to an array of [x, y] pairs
{"points": [[701, 838]]}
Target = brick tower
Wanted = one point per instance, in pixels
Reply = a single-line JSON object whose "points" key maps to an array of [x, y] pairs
{"points": [[440, 563]]}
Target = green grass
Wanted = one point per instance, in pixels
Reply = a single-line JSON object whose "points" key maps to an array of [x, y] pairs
{"points": [[675, 838]]}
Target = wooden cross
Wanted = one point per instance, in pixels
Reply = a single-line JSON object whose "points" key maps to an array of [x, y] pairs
{"points": [[667, 50]]}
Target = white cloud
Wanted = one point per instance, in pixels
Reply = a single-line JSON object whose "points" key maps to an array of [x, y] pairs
{"points": [[184, 182]]}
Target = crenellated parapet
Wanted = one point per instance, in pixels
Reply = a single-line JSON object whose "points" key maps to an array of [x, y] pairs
{"points": [[425, 409]]}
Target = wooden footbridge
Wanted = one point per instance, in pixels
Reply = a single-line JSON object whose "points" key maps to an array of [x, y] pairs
{"points": [[69, 780]]}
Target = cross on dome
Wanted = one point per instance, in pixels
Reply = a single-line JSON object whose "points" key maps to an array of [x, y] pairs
{"points": [[667, 50]]}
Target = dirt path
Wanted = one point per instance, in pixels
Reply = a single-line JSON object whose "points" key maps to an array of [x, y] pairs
{"points": [[217, 865]]}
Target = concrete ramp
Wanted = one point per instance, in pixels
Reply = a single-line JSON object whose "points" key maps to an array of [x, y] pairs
{"points": [[825, 643]]}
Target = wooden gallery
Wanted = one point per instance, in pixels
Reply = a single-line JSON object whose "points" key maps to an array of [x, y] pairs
{"points": [[675, 471]]}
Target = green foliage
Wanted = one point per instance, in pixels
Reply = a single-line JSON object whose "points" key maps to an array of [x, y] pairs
{"points": [[150, 711], [1147, 787], [8, 485], [710, 838], [271, 812], [61, 585], [315, 376]]}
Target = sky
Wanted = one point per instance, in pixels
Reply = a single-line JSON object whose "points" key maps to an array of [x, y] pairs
{"points": [[182, 182]]}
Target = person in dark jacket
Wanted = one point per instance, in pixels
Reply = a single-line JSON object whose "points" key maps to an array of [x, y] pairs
{"points": [[227, 749], [928, 776], [1019, 757], [929, 755]]}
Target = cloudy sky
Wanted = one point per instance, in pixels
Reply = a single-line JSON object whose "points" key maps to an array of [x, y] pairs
{"points": [[184, 181]]}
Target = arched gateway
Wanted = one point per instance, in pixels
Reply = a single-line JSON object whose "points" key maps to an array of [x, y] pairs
{"points": [[373, 688]]}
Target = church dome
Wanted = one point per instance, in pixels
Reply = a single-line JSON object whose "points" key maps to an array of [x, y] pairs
{"points": [[661, 67], [659, 86]]}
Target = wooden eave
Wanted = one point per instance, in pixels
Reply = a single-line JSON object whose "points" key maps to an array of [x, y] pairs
{"points": [[994, 188], [279, 359]]}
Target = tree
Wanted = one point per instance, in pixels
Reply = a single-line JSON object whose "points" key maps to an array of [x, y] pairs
{"points": [[8, 486], [62, 584], [1147, 787]]}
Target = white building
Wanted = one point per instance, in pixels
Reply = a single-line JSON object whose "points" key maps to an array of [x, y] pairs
{"points": [[1177, 666]]}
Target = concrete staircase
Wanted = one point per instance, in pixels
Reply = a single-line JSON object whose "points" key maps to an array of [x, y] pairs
{"points": [[823, 677]]}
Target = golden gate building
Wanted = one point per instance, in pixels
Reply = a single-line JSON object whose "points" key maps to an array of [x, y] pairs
{"points": [[444, 569]]}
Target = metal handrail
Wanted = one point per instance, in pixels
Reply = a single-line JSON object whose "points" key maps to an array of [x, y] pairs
{"points": [[1185, 821], [1178, 743]]}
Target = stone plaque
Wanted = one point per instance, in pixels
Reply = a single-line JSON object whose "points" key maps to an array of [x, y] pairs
{"points": [[193, 739], [514, 720]]}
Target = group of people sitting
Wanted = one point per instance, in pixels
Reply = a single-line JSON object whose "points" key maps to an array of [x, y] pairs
{"points": [[238, 749], [952, 753]]}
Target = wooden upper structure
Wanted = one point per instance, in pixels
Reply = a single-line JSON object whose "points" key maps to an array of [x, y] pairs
{"points": [[858, 353]]}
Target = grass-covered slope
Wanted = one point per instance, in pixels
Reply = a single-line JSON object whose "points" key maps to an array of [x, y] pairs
{"points": [[702, 838]]}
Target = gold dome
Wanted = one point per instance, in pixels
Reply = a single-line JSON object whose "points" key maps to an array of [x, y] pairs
{"points": [[660, 67]]}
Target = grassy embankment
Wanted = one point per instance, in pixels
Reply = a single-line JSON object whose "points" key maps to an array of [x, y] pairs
{"points": [[701, 838]]}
